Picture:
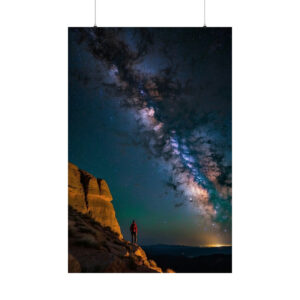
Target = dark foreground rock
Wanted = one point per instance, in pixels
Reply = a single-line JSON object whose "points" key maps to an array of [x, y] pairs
{"points": [[95, 248]]}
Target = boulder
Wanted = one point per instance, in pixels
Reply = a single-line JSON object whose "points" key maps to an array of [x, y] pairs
{"points": [[152, 263], [141, 253]]}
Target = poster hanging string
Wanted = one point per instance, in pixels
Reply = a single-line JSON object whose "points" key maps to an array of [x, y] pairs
{"points": [[204, 13], [95, 25]]}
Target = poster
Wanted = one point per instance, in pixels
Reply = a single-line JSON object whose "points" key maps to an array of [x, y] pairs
{"points": [[150, 160]]}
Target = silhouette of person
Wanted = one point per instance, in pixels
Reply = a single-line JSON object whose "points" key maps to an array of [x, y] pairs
{"points": [[133, 231]]}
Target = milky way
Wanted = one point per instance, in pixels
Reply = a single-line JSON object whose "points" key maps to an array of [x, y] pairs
{"points": [[177, 82]]}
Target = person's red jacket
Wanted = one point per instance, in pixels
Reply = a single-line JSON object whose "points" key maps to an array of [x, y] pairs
{"points": [[133, 228]]}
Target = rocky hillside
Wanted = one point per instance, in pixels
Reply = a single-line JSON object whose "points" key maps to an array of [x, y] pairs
{"points": [[96, 243]]}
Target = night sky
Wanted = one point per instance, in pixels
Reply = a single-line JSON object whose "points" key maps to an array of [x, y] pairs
{"points": [[150, 112]]}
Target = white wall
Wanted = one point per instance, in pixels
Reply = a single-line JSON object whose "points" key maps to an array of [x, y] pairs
{"points": [[33, 122]]}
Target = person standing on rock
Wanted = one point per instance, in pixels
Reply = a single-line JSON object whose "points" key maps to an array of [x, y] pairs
{"points": [[133, 230]]}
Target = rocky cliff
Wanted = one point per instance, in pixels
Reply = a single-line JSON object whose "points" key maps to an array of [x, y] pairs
{"points": [[96, 243], [91, 195]]}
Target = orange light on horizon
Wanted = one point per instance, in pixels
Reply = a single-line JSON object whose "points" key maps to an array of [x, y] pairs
{"points": [[217, 245]]}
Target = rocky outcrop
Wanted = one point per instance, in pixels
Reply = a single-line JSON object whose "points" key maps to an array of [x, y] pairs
{"points": [[95, 248], [96, 243], [91, 195]]}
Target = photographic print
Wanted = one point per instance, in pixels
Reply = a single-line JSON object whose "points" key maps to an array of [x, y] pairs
{"points": [[150, 150]]}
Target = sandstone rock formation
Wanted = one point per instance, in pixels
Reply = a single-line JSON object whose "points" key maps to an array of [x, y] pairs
{"points": [[91, 195]]}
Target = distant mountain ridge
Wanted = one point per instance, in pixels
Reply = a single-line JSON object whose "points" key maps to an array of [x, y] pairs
{"points": [[190, 251], [186, 259]]}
